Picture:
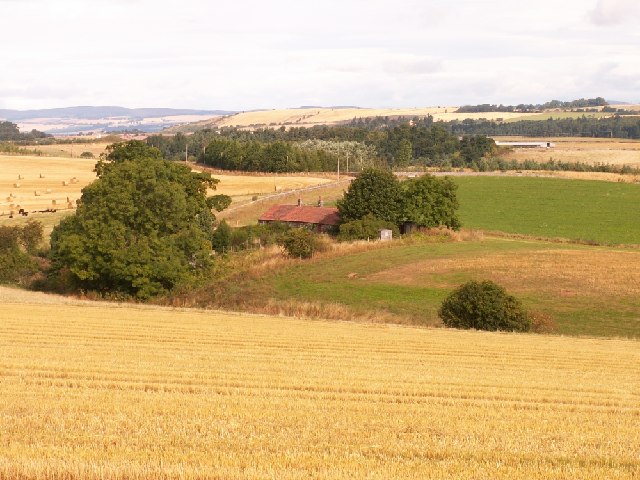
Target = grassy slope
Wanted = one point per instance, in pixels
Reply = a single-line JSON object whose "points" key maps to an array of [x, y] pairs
{"points": [[571, 283], [603, 212]]}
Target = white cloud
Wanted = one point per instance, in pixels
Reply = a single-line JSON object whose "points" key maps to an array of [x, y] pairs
{"points": [[614, 12], [256, 54]]}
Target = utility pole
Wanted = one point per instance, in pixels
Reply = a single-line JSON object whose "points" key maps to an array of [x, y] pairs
{"points": [[186, 153], [347, 171], [338, 167]]}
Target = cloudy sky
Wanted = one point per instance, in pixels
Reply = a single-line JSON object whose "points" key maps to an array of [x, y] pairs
{"points": [[251, 54]]}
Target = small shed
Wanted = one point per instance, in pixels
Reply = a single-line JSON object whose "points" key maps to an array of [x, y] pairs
{"points": [[385, 235]]}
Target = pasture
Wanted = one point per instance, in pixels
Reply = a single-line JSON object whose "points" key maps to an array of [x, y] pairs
{"points": [[587, 150], [584, 290], [592, 211], [104, 391]]}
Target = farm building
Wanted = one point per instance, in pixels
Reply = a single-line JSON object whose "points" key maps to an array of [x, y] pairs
{"points": [[318, 218], [526, 144]]}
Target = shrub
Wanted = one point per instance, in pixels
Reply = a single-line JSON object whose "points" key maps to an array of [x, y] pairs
{"points": [[542, 323], [368, 227], [16, 244], [301, 243], [86, 155], [484, 306], [221, 238]]}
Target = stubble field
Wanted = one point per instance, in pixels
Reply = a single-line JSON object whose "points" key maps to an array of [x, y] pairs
{"points": [[308, 117], [587, 150], [106, 391], [56, 183]]}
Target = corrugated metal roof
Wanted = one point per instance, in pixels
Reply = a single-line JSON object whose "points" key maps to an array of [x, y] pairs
{"points": [[301, 214]]}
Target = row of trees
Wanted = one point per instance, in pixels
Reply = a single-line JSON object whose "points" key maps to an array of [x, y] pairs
{"points": [[318, 148], [278, 156], [612, 127], [580, 103]]}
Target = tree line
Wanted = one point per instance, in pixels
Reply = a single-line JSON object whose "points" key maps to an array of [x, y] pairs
{"points": [[611, 127], [523, 107], [320, 148]]}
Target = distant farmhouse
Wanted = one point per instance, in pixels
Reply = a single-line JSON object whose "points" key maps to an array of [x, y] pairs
{"points": [[526, 144], [320, 219]]}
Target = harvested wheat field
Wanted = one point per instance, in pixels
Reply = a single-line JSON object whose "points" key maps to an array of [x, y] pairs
{"points": [[114, 391], [246, 185], [575, 149], [38, 183], [72, 149], [308, 117]]}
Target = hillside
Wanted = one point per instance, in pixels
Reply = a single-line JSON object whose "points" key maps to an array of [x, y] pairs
{"points": [[166, 393], [311, 116], [307, 117], [98, 119]]}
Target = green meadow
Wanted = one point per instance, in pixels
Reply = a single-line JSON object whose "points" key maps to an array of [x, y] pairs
{"points": [[585, 290], [590, 211]]}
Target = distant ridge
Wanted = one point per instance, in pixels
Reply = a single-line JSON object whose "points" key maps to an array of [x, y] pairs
{"points": [[100, 112]]}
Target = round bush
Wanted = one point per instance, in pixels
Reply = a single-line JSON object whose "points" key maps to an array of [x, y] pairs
{"points": [[300, 243], [484, 306]]}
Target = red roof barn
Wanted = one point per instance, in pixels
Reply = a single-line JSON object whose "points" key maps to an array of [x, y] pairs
{"points": [[321, 218]]}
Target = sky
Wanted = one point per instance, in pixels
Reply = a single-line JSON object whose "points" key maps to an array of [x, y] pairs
{"points": [[243, 55]]}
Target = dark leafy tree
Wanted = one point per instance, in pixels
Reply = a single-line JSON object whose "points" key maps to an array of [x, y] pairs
{"points": [[219, 202], [142, 228], [429, 201], [484, 306], [374, 192]]}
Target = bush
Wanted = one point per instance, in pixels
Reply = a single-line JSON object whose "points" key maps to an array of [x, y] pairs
{"points": [[484, 306], [301, 243], [368, 227], [86, 155], [16, 246], [221, 238]]}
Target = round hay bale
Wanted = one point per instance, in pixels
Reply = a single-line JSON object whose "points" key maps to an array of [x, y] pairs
{"points": [[16, 185]]}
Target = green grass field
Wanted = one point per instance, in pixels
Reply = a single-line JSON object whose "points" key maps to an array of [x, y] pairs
{"points": [[603, 212], [586, 290]]}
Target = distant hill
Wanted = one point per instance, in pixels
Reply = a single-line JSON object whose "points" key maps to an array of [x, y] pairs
{"points": [[97, 113], [105, 119]]}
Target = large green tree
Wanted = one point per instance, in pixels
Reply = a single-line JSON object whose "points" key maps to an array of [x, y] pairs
{"points": [[376, 192], [142, 228], [429, 201]]}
